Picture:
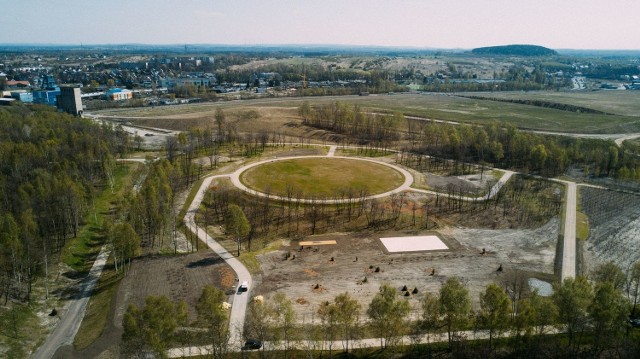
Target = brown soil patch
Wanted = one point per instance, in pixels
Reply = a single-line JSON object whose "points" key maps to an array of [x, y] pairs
{"points": [[311, 272], [302, 301], [179, 277]]}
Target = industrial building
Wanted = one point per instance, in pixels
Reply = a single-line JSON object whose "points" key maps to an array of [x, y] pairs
{"points": [[118, 94], [70, 100]]}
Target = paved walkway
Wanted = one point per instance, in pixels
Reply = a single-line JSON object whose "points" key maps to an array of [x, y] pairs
{"points": [[406, 185], [339, 345], [568, 269], [240, 299], [569, 243], [70, 320]]}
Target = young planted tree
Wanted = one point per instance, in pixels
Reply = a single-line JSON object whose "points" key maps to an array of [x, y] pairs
{"points": [[608, 311], [348, 312], [154, 326], [430, 314], [125, 243], [258, 325], [573, 297], [388, 312], [633, 287], [213, 316], [284, 320], [609, 273], [495, 310], [328, 313], [455, 306], [236, 223], [535, 316]]}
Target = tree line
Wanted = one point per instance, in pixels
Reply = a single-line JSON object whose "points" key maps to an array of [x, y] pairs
{"points": [[529, 202], [353, 122], [583, 317], [500, 144]]}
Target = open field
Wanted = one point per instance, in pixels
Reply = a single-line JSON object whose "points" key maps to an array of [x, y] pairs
{"points": [[309, 277], [321, 177], [271, 114], [625, 103]]}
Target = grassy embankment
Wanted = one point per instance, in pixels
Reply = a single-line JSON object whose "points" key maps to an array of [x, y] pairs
{"points": [[582, 220], [81, 253]]}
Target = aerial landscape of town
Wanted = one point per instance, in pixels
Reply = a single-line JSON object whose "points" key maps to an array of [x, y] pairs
{"points": [[211, 184]]}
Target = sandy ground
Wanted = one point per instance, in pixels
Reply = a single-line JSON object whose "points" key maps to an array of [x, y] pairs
{"points": [[309, 277]]}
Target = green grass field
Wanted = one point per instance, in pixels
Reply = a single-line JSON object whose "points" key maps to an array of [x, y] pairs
{"points": [[321, 177], [623, 106]]}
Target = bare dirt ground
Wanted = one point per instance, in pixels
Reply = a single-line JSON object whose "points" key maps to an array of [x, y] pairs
{"points": [[180, 277], [309, 277], [473, 181], [177, 277], [614, 228]]}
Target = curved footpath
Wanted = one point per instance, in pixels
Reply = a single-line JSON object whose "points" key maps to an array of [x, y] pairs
{"points": [[69, 324], [406, 185], [240, 299]]}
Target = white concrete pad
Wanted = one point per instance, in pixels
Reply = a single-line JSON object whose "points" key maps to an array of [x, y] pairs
{"points": [[413, 244]]}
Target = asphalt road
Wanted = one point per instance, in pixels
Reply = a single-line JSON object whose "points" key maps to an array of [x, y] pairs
{"points": [[569, 246], [71, 319], [240, 299]]}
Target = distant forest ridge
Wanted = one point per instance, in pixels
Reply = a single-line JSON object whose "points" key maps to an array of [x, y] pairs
{"points": [[515, 50]]}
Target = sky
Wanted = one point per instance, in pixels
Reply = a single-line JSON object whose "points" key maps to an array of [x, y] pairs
{"points": [[447, 24]]}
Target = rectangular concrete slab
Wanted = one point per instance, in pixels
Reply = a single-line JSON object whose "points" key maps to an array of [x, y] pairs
{"points": [[413, 244]]}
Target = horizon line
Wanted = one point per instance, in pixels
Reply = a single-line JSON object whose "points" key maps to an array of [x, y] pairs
{"points": [[301, 45]]}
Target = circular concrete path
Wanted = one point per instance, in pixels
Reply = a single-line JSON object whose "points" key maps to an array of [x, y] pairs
{"points": [[406, 186]]}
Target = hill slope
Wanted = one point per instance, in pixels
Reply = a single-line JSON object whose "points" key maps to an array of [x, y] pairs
{"points": [[515, 50]]}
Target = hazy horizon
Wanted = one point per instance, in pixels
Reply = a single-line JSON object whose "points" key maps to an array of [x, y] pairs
{"points": [[429, 24]]}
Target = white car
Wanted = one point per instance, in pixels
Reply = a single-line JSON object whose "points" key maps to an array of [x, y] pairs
{"points": [[243, 287]]}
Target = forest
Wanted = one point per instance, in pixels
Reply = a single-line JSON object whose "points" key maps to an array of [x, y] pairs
{"points": [[51, 168], [500, 144]]}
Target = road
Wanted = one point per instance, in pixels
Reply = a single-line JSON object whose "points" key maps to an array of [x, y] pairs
{"points": [[240, 300], [569, 244], [71, 319], [569, 251]]}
